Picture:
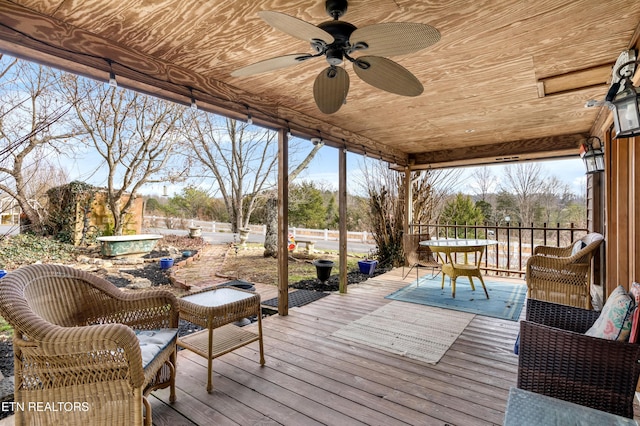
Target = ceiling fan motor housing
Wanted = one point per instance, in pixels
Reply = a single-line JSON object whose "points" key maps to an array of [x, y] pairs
{"points": [[341, 31]]}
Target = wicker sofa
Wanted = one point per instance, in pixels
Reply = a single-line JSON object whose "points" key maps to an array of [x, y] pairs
{"points": [[557, 359], [86, 348], [563, 274]]}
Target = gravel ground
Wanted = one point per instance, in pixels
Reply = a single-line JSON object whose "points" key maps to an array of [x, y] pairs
{"points": [[333, 283], [150, 271], [6, 356]]}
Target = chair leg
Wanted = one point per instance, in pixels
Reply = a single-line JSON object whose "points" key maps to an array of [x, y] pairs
{"points": [[453, 288], [404, 276], [172, 385], [147, 417], [433, 272]]}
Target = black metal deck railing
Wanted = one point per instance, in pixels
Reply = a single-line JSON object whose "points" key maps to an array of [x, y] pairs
{"points": [[515, 242]]}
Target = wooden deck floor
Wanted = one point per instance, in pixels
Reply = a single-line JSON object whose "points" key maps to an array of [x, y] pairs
{"points": [[311, 379]]}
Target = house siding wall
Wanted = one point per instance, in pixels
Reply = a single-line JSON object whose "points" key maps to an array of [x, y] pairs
{"points": [[622, 216]]}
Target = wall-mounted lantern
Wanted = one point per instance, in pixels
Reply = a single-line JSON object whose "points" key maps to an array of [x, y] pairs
{"points": [[592, 154]]}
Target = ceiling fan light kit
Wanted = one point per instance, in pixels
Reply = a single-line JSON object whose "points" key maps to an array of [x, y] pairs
{"points": [[337, 41]]}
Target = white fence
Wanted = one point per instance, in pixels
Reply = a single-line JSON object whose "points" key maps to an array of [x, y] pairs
{"points": [[314, 234]]}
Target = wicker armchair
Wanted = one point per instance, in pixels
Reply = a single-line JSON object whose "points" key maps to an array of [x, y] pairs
{"points": [[562, 275], [557, 359], [75, 347]]}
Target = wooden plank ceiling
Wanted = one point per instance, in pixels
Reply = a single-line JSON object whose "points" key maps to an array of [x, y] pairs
{"points": [[508, 79]]}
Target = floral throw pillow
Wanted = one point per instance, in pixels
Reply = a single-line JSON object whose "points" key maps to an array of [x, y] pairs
{"points": [[614, 322]]}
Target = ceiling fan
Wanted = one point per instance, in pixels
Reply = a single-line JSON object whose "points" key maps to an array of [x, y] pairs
{"points": [[338, 40]]}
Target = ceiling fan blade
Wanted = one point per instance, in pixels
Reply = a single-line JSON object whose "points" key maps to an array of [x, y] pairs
{"points": [[295, 27], [330, 89], [271, 64], [387, 75], [394, 38]]}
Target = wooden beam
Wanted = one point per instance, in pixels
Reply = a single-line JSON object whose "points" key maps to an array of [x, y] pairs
{"points": [[283, 223], [550, 147], [342, 213], [575, 80]]}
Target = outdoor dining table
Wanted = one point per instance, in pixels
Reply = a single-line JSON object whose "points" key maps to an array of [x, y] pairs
{"points": [[445, 249]]}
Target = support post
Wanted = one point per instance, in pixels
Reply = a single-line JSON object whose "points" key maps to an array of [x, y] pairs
{"points": [[283, 222], [342, 211], [408, 202]]}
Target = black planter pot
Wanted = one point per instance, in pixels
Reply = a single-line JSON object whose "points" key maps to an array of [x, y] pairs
{"points": [[323, 269], [244, 285]]}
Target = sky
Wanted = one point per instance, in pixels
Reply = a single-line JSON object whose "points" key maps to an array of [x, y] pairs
{"points": [[323, 170]]}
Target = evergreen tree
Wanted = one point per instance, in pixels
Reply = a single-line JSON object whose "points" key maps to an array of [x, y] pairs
{"points": [[486, 208], [461, 211], [306, 206]]}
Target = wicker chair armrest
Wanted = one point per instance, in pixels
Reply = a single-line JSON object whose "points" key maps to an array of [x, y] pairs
{"points": [[147, 310], [586, 370], [111, 344], [553, 251], [559, 263], [568, 318]]}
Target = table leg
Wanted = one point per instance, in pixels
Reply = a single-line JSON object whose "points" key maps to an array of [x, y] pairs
{"points": [[210, 361], [473, 287], [260, 335]]}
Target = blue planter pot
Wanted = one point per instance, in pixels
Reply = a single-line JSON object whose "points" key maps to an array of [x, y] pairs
{"points": [[367, 266], [166, 263]]}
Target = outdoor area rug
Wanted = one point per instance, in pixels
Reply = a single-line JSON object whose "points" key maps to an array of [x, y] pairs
{"points": [[419, 332], [298, 298], [505, 299]]}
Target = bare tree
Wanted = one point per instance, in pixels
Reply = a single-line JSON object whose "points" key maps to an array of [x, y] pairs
{"points": [[33, 121], [553, 193], [430, 190], [525, 182], [44, 174], [483, 181], [134, 134], [242, 159], [271, 236], [386, 210]]}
